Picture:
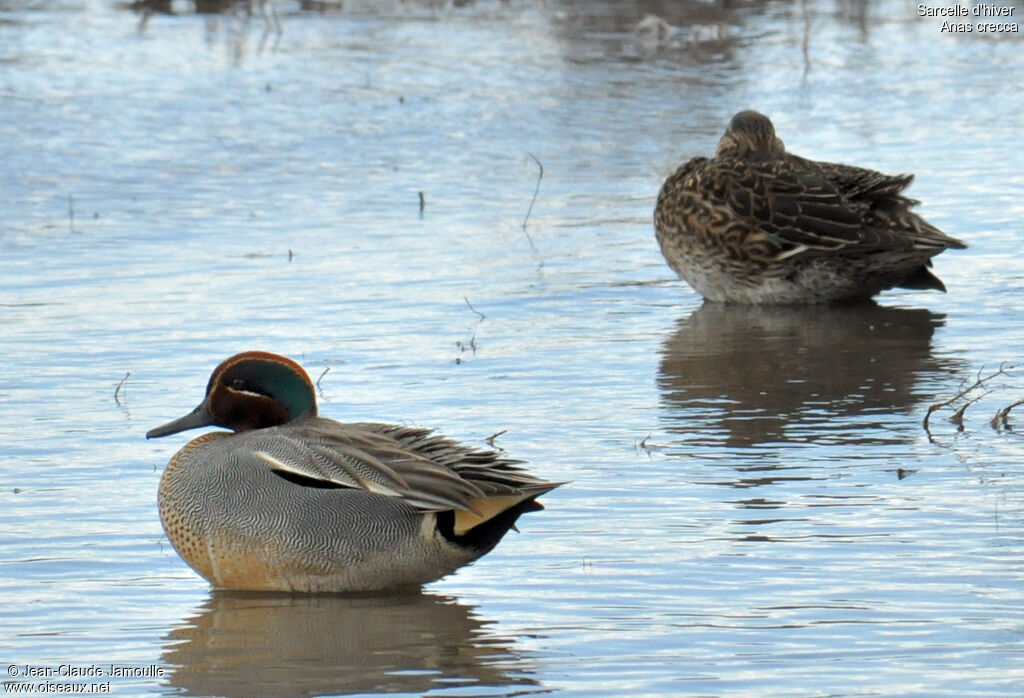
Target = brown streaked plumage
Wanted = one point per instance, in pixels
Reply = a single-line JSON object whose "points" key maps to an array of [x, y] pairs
{"points": [[295, 502], [755, 224]]}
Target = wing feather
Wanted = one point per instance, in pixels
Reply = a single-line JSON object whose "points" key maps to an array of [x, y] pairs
{"points": [[797, 206], [430, 472]]}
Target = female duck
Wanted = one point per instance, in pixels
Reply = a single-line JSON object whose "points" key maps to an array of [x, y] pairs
{"points": [[295, 502], [755, 224]]}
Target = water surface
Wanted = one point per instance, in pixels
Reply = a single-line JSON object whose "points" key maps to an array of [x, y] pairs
{"points": [[754, 507]]}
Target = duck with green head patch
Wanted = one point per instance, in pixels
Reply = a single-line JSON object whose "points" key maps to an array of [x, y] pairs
{"points": [[756, 224], [290, 501]]}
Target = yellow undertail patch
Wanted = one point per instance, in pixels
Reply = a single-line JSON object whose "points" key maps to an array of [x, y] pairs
{"points": [[486, 509]]}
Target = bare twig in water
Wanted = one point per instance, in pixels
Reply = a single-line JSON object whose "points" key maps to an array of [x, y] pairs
{"points": [[536, 190], [957, 417], [490, 439], [482, 316], [646, 445], [1001, 420], [471, 346], [423, 204], [71, 214], [291, 255], [328, 368], [119, 388]]}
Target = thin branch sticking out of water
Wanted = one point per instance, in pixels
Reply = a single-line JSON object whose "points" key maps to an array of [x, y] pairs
{"points": [[536, 190], [646, 445], [482, 316], [328, 368], [490, 439], [471, 346], [71, 214], [121, 388], [1001, 420], [957, 417], [423, 204]]}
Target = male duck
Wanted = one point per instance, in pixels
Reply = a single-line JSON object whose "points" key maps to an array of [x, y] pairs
{"points": [[755, 224], [295, 502]]}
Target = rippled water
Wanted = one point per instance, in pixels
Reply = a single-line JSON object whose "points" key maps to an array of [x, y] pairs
{"points": [[755, 507]]}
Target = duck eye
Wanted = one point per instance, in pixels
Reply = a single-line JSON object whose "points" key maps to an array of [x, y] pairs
{"points": [[238, 384]]}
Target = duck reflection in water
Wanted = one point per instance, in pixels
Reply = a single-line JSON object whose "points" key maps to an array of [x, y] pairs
{"points": [[764, 373], [273, 645]]}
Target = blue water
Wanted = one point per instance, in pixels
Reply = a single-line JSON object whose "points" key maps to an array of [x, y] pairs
{"points": [[754, 507]]}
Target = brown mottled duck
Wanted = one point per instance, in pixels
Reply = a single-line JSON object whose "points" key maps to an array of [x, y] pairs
{"points": [[755, 224]]}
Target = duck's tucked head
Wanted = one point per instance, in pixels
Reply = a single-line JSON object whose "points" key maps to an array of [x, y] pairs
{"points": [[750, 135], [252, 390]]}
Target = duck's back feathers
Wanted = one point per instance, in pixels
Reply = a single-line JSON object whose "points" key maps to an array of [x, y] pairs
{"points": [[423, 469], [793, 206]]}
